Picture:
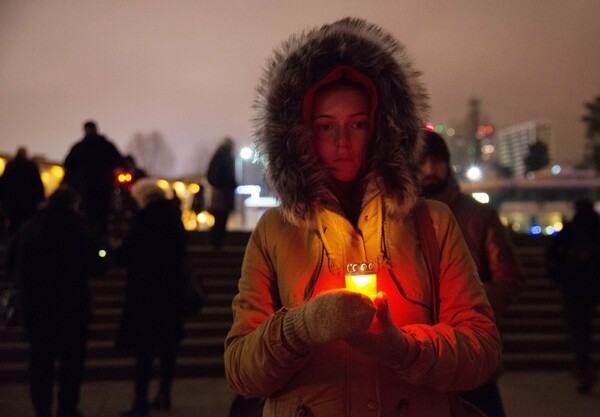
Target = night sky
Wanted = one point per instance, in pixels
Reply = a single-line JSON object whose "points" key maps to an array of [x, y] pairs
{"points": [[187, 69]]}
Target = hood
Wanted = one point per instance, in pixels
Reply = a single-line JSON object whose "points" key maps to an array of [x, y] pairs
{"points": [[282, 139]]}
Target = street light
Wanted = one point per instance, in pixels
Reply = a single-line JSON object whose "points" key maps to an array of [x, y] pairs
{"points": [[474, 173], [246, 153]]}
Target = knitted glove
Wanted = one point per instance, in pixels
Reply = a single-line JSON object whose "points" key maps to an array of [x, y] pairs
{"points": [[383, 341], [333, 315]]}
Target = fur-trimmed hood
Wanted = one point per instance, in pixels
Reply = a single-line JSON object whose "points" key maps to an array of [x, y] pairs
{"points": [[282, 139]]}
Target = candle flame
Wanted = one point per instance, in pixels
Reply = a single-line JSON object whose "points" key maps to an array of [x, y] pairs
{"points": [[362, 280]]}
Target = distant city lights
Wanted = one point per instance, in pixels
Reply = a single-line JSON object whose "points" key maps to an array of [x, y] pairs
{"points": [[535, 229], [481, 197], [483, 131], [252, 190], [474, 173], [441, 129]]}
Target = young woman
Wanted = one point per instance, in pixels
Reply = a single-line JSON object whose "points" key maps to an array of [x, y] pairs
{"points": [[340, 114]]}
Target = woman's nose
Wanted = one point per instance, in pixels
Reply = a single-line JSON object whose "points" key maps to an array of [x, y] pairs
{"points": [[342, 138]]}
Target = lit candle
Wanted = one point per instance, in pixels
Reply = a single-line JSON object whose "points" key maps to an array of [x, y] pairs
{"points": [[361, 277]]}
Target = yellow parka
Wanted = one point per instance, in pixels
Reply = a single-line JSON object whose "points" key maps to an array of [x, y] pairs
{"points": [[283, 263], [301, 248]]}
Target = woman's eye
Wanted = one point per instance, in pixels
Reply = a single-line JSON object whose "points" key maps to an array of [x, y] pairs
{"points": [[361, 124], [324, 127]]}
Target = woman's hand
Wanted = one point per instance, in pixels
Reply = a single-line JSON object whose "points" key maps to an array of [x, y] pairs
{"points": [[383, 341], [333, 315]]}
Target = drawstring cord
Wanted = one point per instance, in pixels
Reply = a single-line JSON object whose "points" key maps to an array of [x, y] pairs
{"points": [[383, 261], [331, 262]]}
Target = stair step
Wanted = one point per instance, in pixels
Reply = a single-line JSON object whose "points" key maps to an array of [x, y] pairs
{"points": [[103, 349], [108, 330], [123, 368], [534, 361]]}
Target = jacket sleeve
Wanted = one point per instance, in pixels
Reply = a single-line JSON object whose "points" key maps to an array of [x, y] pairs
{"points": [[463, 349], [506, 278], [256, 361]]}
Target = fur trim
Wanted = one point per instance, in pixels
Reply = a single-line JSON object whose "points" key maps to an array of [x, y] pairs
{"points": [[282, 139]]}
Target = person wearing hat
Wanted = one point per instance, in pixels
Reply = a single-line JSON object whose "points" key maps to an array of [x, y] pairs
{"points": [[339, 118], [151, 322], [488, 242]]}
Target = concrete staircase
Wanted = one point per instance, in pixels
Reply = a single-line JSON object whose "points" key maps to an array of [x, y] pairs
{"points": [[534, 331], [201, 351]]}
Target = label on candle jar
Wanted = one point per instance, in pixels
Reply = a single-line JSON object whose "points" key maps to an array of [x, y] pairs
{"points": [[361, 277]]}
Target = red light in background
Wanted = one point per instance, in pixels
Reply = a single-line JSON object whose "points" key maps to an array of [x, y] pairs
{"points": [[124, 177]]}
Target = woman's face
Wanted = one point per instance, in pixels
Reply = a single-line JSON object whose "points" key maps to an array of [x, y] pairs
{"points": [[342, 129]]}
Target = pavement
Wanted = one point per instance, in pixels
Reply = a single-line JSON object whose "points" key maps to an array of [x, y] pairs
{"points": [[525, 394]]}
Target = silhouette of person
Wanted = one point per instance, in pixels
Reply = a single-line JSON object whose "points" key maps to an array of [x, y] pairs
{"points": [[152, 319], [221, 176], [488, 242], [338, 124], [573, 260], [124, 205], [21, 189], [131, 166], [89, 168], [52, 256]]}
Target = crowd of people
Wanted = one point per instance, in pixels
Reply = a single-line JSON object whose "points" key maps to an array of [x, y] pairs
{"points": [[339, 127], [54, 250]]}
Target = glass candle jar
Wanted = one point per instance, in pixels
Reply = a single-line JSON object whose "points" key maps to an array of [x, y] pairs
{"points": [[361, 277]]}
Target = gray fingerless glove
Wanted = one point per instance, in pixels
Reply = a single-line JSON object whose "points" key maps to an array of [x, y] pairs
{"points": [[333, 315]]}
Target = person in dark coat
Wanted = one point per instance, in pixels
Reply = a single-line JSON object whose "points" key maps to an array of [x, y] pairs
{"points": [[573, 260], [488, 241], [152, 320], [52, 257], [21, 189], [89, 168], [221, 176]]}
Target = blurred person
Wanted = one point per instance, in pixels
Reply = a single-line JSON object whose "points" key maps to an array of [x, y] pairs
{"points": [[123, 204], [152, 318], [89, 168], [221, 176], [130, 165], [573, 260], [21, 189], [52, 257], [338, 126], [488, 241]]}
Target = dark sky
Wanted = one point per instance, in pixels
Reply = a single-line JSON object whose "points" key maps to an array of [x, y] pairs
{"points": [[187, 68]]}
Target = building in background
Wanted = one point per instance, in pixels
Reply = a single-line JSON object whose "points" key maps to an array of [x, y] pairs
{"points": [[512, 144]]}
